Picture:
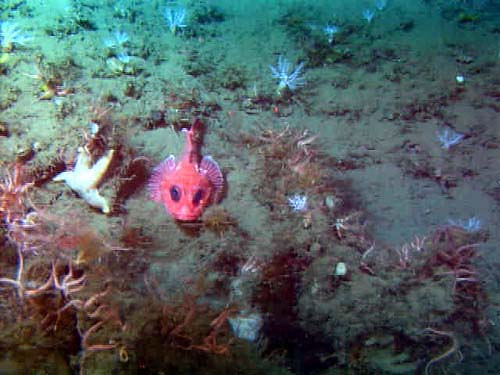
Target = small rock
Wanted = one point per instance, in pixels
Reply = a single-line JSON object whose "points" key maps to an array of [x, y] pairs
{"points": [[4, 130]]}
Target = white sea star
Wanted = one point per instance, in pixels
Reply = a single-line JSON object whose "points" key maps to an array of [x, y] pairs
{"points": [[84, 178]]}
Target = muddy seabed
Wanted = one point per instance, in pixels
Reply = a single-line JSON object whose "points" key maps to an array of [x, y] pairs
{"points": [[392, 265]]}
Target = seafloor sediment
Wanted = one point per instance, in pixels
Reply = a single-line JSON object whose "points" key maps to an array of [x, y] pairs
{"points": [[357, 232]]}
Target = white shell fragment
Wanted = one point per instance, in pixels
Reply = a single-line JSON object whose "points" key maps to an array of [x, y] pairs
{"points": [[246, 327], [340, 269]]}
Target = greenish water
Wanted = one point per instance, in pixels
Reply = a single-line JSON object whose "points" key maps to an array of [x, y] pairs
{"points": [[356, 231]]}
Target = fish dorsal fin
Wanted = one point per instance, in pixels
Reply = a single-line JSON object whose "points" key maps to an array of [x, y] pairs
{"points": [[210, 169], [194, 140], [169, 163]]}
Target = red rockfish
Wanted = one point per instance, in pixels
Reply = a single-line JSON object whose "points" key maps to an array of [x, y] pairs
{"points": [[188, 186]]}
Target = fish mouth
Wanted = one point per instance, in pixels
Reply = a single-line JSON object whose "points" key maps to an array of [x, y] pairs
{"points": [[185, 217]]}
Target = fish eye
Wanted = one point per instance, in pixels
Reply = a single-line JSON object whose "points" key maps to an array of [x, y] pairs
{"points": [[198, 196], [175, 193]]}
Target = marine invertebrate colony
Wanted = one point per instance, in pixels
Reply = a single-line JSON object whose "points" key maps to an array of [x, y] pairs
{"points": [[330, 31], [471, 225], [368, 15], [448, 138], [298, 202], [10, 34], [380, 4], [119, 61], [117, 41], [175, 18], [288, 78]]}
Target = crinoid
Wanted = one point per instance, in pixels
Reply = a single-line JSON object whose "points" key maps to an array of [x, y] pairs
{"points": [[292, 156], [276, 144], [51, 81], [13, 194], [192, 326]]}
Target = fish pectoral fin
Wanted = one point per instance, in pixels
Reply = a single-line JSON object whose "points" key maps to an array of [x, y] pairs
{"points": [[159, 173], [210, 169]]}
